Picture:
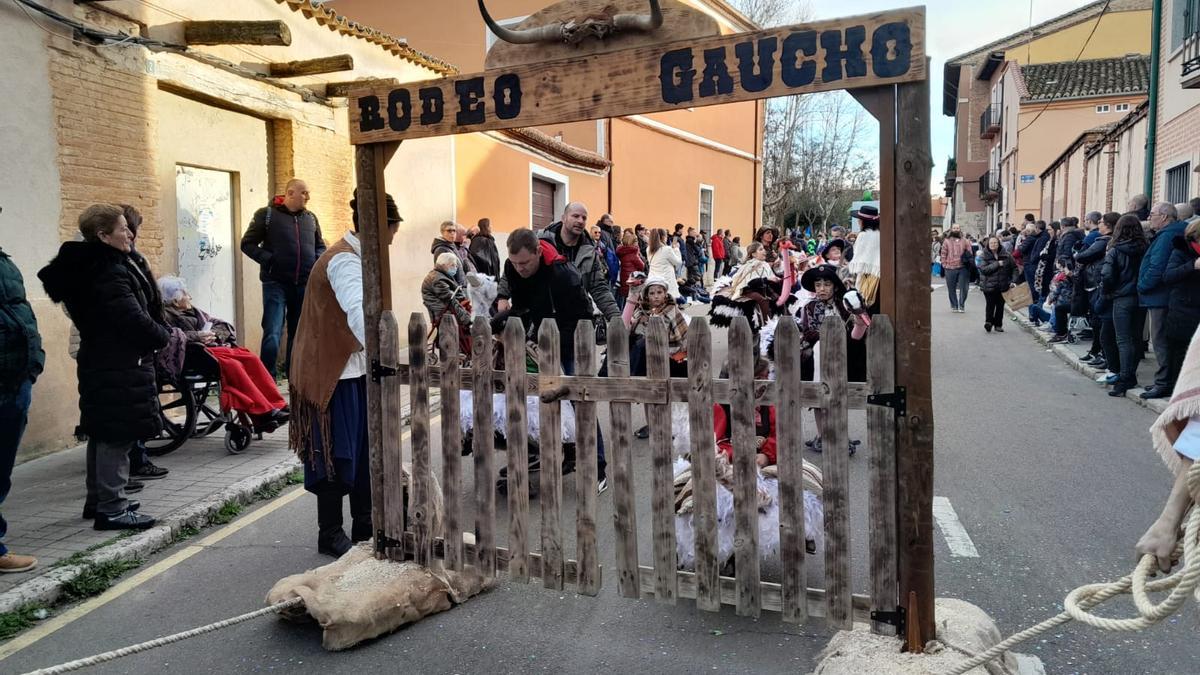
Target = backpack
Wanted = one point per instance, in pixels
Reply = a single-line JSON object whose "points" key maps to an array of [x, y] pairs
{"points": [[614, 264]]}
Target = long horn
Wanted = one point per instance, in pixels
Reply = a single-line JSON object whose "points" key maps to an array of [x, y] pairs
{"points": [[549, 33], [638, 22]]}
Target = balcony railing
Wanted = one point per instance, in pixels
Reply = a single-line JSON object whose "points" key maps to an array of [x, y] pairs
{"points": [[1191, 45], [989, 121], [989, 187]]}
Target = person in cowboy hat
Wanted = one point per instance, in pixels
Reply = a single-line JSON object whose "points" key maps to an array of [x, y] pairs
{"points": [[863, 265], [827, 289], [329, 389]]}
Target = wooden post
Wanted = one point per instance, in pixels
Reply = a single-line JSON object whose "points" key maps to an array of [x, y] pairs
{"points": [[704, 474], [789, 413], [745, 481], [484, 446], [881, 439], [586, 465], [236, 33], [662, 501], [324, 64], [451, 443], [342, 89], [393, 456], [370, 161], [914, 447]]}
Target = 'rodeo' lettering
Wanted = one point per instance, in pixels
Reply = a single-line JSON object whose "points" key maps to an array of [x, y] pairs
{"points": [[470, 103], [507, 96], [431, 105], [369, 118], [399, 109]]}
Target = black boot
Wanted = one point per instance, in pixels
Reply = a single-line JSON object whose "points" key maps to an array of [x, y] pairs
{"points": [[331, 538]]}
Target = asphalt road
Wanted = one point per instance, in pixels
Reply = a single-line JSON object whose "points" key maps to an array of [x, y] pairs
{"points": [[1052, 481]]}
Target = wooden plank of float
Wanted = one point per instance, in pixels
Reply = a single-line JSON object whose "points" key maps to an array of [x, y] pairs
{"points": [[846, 53], [772, 594], [342, 89]]}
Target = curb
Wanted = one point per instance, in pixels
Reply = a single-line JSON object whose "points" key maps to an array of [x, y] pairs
{"points": [[47, 587], [1156, 405]]}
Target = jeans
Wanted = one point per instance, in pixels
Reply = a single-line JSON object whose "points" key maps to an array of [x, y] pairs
{"points": [[1125, 314], [280, 301], [138, 457], [994, 308], [1108, 342], [1162, 347], [958, 282], [567, 356], [1036, 313], [718, 268], [107, 474], [14, 414]]}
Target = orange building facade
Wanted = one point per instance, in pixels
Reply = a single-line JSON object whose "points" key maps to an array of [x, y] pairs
{"points": [[701, 167]]}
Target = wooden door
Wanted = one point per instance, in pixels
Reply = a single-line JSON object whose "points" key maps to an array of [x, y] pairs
{"points": [[542, 203]]}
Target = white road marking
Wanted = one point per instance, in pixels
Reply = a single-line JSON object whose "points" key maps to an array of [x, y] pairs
{"points": [[952, 529], [934, 287]]}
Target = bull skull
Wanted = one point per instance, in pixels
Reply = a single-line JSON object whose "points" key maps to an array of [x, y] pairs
{"points": [[573, 32]]}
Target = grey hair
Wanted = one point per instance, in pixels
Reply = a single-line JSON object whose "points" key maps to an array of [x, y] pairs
{"points": [[1184, 211], [173, 288], [1167, 209], [445, 260], [1139, 200]]}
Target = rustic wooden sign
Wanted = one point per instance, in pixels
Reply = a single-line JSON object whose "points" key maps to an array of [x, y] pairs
{"points": [[846, 53]]}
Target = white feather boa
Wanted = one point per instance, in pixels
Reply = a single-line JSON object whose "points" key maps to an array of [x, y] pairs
{"points": [[466, 414]]}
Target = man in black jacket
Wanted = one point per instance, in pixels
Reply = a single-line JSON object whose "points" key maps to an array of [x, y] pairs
{"points": [[284, 238], [21, 361], [542, 285]]}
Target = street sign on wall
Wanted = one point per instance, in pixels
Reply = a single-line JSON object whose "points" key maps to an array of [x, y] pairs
{"points": [[1027, 178]]}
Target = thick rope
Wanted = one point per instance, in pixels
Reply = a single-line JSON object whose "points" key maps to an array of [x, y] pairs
{"points": [[159, 642], [1078, 602]]}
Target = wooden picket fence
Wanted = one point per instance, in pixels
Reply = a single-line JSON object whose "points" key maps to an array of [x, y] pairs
{"points": [[411, 535]]}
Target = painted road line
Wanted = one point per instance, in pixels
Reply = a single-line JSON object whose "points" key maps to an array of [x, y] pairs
{"points": [[952, 529], [79, 611]]}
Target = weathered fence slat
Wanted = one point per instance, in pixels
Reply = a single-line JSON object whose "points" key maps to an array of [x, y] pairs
{"points": [[586, 467], [451, 444], [503, 560], [662, 501], [420, 504], [621, 463], [790, 458], [704, 473], [551, 462], [881, 435], [393, 457], [517, 442], [745, 473], [483, 446], [836, 476], [772, 594]]}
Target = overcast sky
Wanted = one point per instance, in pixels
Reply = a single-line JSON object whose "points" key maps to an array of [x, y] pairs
{"points": [[951, 28]]}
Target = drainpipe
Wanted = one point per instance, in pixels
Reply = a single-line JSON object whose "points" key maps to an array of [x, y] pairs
{"points": [[1152, 113]]}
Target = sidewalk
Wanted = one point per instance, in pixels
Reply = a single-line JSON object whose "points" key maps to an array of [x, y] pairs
{"points": [[1072, 354], [44, 509]]}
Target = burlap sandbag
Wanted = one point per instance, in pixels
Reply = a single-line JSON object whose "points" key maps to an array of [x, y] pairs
{"points": [[358, 597]]}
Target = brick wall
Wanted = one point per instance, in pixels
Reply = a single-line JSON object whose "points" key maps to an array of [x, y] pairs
{"points": [[1177, 142], [325, 161], [106, 135]]}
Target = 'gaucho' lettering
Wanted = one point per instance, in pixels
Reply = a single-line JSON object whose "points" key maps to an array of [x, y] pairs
{"points": [[716, 79], [760, 80], [676, 74], [794, 72], [897, 35], [852, 54], [431, 105], [399, 109], [507, 96]]}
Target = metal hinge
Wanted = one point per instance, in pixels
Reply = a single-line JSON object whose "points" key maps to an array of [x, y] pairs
{"points": [[380, 371], [895, 618], [384, 542], [897, 400]]}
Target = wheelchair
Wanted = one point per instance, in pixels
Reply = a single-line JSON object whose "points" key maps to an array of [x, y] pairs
{"points": [[189, 407]]}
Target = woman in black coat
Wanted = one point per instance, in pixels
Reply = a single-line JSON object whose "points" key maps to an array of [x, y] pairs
{"points": [[1182, 276], [1119, 285], [118, 393], [995, 277]]}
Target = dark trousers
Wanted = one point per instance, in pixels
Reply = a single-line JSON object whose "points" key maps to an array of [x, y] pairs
{"points": [[718, 268], [958, 282], [281, 302], [1162, 347], [1125, 325], [14, 414], [1062, 319], [567, 356], [1108, 341], [107, 475], [1097, 345], [994, 308], [1177, 349], [138, 457]]}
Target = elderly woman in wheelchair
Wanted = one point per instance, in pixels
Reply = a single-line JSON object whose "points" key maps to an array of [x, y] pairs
{"points": [[248, 391]]}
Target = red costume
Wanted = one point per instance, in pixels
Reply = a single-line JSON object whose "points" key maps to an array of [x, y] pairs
{"points": [[762, 427]]}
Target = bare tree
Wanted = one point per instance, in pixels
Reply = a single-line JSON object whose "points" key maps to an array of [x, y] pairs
{"points": [[767, 13]]}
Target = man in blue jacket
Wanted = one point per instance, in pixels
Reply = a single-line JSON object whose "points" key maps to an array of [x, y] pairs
{"points": [[284, 238], [1153, 293]]}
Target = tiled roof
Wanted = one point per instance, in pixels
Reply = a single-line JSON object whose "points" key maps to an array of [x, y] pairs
{"points": [[1083, 79], [316, 11], [551, 145]]}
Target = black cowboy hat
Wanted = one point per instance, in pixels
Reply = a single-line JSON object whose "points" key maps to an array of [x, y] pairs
{"points": [[839, 244], [866, 213], [827, 272], [393, 213]]}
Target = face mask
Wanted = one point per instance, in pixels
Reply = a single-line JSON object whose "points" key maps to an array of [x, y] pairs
{"points": [[453, 271]]}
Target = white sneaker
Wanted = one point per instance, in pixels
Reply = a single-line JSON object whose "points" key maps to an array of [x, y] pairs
{"points": [[602, 485]]}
